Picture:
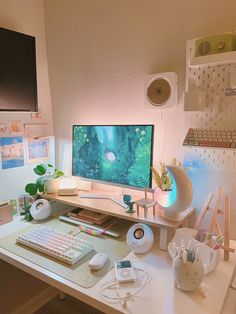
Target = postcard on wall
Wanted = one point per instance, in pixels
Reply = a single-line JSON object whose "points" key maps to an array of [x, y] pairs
{"points": [[36, 115], [36, 130], [4, 129], [12, 152], [16, 127], [37, 150]]}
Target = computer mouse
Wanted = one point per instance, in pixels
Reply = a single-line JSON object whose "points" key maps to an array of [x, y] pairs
{"points": [[98, 261]]}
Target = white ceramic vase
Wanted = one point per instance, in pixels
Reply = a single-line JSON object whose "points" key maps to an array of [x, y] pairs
{"points": [[51, 185], [179, 198], [162, 197]]}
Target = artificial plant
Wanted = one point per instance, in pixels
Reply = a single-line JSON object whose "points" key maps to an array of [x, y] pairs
{"points": [[162, 177]]}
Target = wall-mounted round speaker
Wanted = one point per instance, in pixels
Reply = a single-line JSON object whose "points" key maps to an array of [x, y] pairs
{"points": [[140, 238], [204, 48], [161, 90]]}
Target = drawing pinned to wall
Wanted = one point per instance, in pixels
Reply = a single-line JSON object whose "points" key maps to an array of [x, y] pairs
{"points": [[12, 152], [36, 115], [4, 130], [16, 127], [36, 130], [37, 150]]}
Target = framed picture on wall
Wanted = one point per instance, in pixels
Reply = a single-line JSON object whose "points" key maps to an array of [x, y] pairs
{"points": [[37, 149], [12, 152]]}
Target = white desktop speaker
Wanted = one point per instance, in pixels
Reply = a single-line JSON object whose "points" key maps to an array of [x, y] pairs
{"points": [[41, 209], [140, 238], [161, 90]]}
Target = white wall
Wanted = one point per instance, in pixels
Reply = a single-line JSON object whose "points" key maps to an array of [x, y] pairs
{"points": [[100, 52], [26, 16]]}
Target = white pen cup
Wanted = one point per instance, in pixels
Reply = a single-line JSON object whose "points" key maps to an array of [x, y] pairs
{"points": [[187, 276]]}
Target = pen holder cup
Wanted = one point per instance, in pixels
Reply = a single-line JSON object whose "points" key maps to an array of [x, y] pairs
{"points": [[187, 276]]}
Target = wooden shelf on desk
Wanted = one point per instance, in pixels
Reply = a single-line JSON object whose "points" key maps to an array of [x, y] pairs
{"points": [[107, 206]]}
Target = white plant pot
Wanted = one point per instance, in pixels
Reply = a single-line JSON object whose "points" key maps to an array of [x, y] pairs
{"points": [[51, 185], [179, 198], [162, 197]]}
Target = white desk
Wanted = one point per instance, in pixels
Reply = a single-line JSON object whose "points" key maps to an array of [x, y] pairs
{"points": [[159, 296]]}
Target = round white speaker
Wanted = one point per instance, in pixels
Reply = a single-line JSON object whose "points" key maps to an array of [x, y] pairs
{"points": [[140, 238], [41, 209], [161, 90]]}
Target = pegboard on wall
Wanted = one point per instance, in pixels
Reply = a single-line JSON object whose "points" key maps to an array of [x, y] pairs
{"points": [[210, 158], [220, 110]]}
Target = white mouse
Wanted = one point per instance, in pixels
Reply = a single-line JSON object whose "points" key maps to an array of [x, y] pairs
{"points": [[98, 261]]}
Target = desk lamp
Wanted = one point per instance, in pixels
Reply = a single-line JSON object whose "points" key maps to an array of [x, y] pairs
{"points": [[179, 198]]}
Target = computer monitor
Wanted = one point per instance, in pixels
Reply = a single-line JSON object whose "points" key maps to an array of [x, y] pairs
{"points": [[116, 154]]}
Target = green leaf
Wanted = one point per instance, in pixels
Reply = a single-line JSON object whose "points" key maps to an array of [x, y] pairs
{"points": [[58, 173], [40, 180], [31, 188], [28, 217], [41, 188], [40, 169], [40, 184], [50, 166]]}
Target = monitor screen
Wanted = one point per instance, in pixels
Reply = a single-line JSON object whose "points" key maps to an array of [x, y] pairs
{"points": [[119, 154], [18, 83]]}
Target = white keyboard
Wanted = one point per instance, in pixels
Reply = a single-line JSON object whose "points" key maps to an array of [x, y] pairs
{"points": [[211, 138], [62, 246]]}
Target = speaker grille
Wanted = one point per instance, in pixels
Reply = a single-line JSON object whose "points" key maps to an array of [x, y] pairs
{"points": [[159, 92], [204, 48]]}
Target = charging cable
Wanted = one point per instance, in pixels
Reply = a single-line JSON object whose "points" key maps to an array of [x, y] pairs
{"points": [[143, 279]]}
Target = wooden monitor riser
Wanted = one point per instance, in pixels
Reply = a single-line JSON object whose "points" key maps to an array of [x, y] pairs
{"points": [[107, 206]]}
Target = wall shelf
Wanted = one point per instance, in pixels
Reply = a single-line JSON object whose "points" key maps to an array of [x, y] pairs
{"points": [[215, 59]]}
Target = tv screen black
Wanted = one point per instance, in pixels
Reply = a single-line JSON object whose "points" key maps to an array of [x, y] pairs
{"points": [[18, 82]]}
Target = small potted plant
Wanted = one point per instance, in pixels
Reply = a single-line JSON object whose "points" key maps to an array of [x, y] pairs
{"points": [[163, 182], [47, 181]]}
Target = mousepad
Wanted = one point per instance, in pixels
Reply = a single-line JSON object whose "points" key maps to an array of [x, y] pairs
{"points": [[79, 273]]}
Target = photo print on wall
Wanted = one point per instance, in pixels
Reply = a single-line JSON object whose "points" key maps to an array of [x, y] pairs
{"points": [[12, 152]]}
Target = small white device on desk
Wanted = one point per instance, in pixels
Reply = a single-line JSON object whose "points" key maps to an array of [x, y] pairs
{"points": [[41, 209], [124, 271], [140, 238], [67, 186], [98, 261]]}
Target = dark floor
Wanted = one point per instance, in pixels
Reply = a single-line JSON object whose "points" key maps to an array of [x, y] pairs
{"points": [[67, 306]]}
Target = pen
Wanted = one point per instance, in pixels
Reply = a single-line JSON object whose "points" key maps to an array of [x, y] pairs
{"points": [[184, 256]]}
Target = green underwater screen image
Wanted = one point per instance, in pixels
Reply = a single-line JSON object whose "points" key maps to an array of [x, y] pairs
{"points": [[118, 154]]}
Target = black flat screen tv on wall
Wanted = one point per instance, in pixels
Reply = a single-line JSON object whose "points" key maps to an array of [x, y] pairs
{"points": [[18, 81]]}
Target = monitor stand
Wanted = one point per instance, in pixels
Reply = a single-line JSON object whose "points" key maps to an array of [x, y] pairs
{"points": [[113, 198]]}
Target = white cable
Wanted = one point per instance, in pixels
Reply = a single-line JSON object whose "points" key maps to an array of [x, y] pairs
{"points": [[113, 284]]}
